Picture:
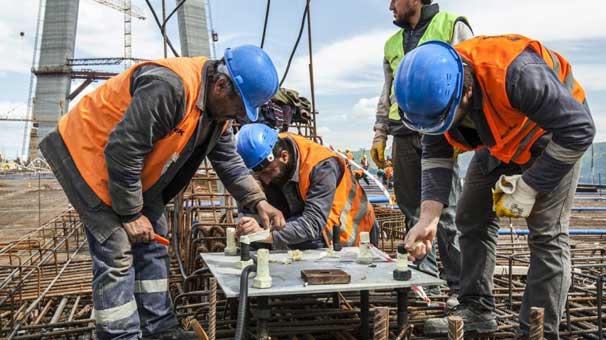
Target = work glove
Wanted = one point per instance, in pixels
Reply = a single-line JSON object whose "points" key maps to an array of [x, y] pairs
{"points": [[512, 197], [377, 152]]}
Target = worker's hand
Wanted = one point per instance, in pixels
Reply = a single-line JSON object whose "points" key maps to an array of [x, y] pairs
{"points": [[139, 230], [418, 241], [377, 152], [512, 197], [247, 225], [270, 216]]}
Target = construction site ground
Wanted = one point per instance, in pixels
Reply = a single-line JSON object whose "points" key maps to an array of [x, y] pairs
{"points": [[28, 201], [55, 256]]}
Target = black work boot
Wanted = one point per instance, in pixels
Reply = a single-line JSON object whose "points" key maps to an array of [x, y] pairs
{"points": [[473, 322], [172, 334]]}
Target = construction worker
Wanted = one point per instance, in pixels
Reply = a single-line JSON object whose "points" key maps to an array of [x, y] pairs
{"points": [[517, 103], [388, 173], [129, 147], [419, 21], [349, 155], [312, 186], [364, 162]]}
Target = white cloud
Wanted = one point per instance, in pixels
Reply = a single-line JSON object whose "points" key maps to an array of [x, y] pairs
{"points": [[17, 50], [108, 42], [12, 131], [539, 19], [365, 109], [323, 130], [350, 65], [600, 125]]}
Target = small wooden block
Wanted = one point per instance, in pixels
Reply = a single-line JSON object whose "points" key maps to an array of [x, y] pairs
{"points": [[325, 276]]}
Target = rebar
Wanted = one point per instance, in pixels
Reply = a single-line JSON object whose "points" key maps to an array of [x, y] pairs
{"points": [[536, 323], [455, 328], [212, 311], [381, 323]]}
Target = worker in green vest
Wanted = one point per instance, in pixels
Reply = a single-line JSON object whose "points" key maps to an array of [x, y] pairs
{"points": [[419, 21]]}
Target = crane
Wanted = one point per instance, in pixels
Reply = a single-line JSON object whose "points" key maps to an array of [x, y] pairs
{"points": [[129, 11]]}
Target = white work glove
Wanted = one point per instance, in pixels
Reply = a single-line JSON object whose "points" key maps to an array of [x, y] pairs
{"points": [[512, 197]]}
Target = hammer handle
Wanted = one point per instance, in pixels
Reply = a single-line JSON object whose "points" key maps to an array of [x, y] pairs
{"points": [[161, 240]]}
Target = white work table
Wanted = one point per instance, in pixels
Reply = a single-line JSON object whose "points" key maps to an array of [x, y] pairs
{"points": [[286, 278]]}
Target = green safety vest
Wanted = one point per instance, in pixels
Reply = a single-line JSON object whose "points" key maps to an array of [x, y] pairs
{"points": [[441, 28]]}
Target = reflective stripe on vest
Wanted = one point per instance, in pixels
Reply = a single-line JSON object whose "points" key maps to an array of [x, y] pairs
{"points": [[351, 208], [86, 128], [490, 56], [440, 28]]}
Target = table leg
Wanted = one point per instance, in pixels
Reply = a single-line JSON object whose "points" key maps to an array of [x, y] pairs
{"points": [[336, 300], [402, 294], [364, 315], [263, 315]]}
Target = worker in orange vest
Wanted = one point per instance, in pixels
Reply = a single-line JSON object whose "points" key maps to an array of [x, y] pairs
{"points": [[311, 185], [388, 173], [517, 104], [127, 148]]}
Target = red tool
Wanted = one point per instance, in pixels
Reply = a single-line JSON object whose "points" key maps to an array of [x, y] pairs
{"points": [[161, 240]]}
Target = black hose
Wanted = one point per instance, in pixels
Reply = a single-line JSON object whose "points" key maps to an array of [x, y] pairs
{"points": [[241, 323], [294, 49], [265, 23], [151, 8], [163, 28]]}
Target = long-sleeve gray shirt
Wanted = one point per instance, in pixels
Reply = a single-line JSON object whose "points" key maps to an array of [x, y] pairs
{"points": [[306, 219], [383, 126], [156, 108], [535, 90]]}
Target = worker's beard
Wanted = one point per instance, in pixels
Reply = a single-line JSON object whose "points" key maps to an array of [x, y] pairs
{"points": [[283, 176], [404, 19]]}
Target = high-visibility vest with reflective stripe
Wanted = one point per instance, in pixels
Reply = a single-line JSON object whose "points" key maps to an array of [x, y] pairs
{"points": [[85, 129], [513, 132], [441, 27], [350, 209]]}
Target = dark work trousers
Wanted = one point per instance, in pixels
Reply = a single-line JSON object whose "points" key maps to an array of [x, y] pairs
{"points": [[406, 156], [548, 277], [130, 285]]}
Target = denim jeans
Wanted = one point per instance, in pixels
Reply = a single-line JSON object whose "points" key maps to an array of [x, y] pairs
{"points": [[130, 285]]}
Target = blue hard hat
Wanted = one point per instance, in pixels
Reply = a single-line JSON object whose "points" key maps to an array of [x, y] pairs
{"points": [[428, 87], [253, 74], [254, 143]]}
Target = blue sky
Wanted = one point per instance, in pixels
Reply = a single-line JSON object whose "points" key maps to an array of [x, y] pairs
{"points": [[348, 37]]}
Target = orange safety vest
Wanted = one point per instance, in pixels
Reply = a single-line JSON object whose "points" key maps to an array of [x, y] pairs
{"points": [[85, 129], [490, 56], [350, 209], [388, 171]]}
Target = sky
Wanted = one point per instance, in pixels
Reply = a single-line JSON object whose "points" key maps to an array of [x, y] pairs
{"points": [[348, 38]]}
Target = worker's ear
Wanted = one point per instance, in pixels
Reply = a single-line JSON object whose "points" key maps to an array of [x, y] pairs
{"points": [[220, 88], [466, 98], [284, 156]]}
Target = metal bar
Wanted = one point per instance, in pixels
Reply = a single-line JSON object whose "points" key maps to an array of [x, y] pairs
{"points": [[536, 323], [455, 328], [364, 315], [402, 296]]}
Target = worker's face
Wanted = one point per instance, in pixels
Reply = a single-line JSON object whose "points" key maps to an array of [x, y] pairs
{"points": [[275, 172], [403, 10], [224, 104], [463, 108]]}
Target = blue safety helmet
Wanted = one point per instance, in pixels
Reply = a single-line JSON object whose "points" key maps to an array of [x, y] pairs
{"points": [[254, 143], [253, 74], [428, 87]]}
